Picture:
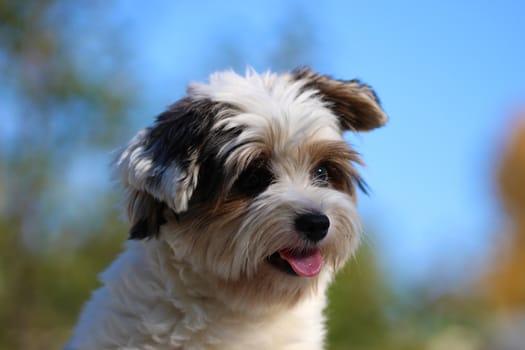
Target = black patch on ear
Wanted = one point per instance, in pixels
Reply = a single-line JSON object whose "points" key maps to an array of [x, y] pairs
{"points": [[179, 132], [181, 129], [146, 214], [356, 104], [211, 185], [182, 137]]}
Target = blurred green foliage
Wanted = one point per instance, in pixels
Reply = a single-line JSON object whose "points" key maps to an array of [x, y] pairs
{"points": [[41, 293], [365, 313], [61, 105]]}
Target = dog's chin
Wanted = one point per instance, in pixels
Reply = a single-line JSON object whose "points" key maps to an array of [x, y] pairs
{"points": [[275, 285]]}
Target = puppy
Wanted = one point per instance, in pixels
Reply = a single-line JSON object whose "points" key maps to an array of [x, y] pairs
{"points": [[242, 205]]}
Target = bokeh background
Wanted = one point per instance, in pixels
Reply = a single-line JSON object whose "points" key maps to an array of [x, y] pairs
{"points": [[443, 263]]}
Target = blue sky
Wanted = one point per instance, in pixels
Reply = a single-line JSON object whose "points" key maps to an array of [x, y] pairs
{"points": [[448, 74]]}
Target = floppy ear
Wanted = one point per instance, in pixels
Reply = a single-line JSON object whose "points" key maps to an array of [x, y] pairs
{"points": [[355, 103], [159, 167]]}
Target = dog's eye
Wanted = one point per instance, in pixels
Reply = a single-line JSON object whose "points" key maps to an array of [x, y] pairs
{"points": [[320, 175], [254, 180]]}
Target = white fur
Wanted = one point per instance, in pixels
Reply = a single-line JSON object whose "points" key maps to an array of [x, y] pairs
{"points": [[151, 301], [274, 102]]}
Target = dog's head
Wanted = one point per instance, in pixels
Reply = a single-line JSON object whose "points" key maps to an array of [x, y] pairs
{"points": [[250, 181]]}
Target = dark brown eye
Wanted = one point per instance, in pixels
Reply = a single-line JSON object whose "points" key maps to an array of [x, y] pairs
{"points": [[320, 175], [254, 180]]}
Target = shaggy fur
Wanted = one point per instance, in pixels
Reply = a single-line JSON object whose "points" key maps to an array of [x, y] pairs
{"points": [[242, 206]]}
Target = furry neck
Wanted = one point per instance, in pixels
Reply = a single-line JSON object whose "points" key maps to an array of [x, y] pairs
{"points": [[171, 299], [151, 300]]}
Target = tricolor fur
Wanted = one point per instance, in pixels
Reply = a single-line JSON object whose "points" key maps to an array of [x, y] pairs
{"points": [[242, 205]]}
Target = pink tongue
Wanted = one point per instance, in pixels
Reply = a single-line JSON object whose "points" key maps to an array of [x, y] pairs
{"points": [[305, 264]]}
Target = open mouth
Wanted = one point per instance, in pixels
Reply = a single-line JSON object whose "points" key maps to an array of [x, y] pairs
{"points": [[307, 263]]}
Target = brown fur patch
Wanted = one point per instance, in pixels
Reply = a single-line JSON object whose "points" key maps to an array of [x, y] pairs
{"points": [[355, 103], [337, 157]]}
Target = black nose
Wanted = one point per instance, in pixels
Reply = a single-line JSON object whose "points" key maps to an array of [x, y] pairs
{"points": [[313, 225]]}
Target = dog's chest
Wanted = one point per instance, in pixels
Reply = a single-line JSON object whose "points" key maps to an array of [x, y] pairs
{"points": [[300, 329]]}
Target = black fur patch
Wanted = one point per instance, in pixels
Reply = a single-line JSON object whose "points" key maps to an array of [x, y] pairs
{"points": [[181, 136], [254, 179], [151, 216], [212, 174], [179, 132]]}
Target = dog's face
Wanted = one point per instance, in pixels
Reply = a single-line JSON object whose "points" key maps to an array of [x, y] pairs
{"points": [[249, 180]]}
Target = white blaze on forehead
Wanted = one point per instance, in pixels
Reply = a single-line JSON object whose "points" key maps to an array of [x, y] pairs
{"points": [[272, 107]]}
